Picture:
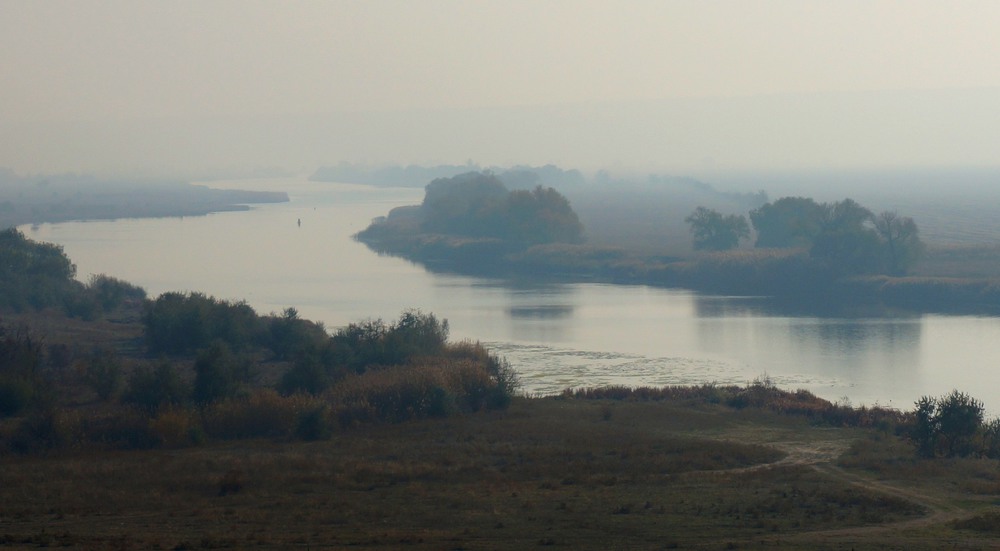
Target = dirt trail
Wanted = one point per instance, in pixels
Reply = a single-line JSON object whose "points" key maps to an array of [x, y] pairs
{"points": [[822, 456]]}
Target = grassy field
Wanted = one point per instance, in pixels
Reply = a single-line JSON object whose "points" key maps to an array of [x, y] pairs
{"points": [[554, 472]]}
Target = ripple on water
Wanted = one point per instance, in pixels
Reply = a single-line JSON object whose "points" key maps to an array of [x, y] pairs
{"points": [[546, 370]]}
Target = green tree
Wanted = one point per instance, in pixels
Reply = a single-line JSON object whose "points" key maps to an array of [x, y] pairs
{"points": [[360, 345], [179, 323], [34, 275], [152, 389], [415, 334], [847, 243], [541, 215], [925, 429], [218, 373], [290, 336], [104, 374], [959, 418], [477, 204], [468, 204], [900, 241], [950, 424], [788, 222], [714, 231], [112, 292], [307, 374], [374, 342]]}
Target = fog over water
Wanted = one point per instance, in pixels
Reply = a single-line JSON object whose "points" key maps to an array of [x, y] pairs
{"points": [[191, 87], [555, 335]]}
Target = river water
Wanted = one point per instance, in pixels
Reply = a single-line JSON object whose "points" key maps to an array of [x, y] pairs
{"points": [[301, 254]]}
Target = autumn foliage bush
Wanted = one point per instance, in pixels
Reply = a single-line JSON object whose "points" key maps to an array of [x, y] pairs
{"points": [[760, 394], [262, 414]]}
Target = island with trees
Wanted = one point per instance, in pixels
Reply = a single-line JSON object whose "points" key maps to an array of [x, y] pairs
{"points": [[794, 249]]}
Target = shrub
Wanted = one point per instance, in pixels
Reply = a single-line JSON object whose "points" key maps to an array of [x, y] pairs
{"points": [[307, 374], [374, 342], [289, 336], [21, 384], [437, 387], [264, 413], [314, 424], [151, 389], [43, 430], [948, 425], [176, 427], [123, 428], [180, 323], [111, 293], [16, 393], [504, 382], [33, 275], [104, 374], [218, 373], [81, 303]]}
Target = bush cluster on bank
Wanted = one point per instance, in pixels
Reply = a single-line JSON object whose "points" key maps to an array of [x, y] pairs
{"points": [[35, 276], [210, 383], [950, 426]]}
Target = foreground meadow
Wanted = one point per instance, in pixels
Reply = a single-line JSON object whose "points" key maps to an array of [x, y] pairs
{"points": [[563, 472]]}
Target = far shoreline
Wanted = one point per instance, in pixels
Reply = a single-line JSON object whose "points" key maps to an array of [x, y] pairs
{"points": [[34, 203]]}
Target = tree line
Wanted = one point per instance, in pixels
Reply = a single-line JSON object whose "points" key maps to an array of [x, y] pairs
{"points": [[229, 373], [35, 275], [844, 236], [213, 367], [478, 204]]}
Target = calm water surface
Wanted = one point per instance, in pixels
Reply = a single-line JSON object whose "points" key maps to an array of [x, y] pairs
{"points": [[556, 335]]}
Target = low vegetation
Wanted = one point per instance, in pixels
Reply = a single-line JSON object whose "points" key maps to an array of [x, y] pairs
{"points": [[236, 387], [686, 468]]}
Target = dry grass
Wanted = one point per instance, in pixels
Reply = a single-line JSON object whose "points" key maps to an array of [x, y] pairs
{"points": [[960, 261], [570, 473]]}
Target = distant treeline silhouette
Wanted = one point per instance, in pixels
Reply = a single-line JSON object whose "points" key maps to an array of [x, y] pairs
{"points": [[818, 255]]}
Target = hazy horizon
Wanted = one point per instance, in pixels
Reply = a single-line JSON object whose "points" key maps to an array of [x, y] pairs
{"points": [[130, 88]]}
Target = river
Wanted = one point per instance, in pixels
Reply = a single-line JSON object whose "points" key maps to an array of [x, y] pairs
{"points": [[300, 254]]}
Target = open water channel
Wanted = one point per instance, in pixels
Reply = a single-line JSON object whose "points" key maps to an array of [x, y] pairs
{"points": [[301, 254]]}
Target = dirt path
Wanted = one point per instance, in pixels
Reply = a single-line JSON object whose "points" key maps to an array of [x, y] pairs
{"points": [[822, 456]]}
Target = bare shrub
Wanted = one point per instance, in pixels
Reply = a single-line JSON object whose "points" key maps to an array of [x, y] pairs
{"points": [[176, 428], [264, 413]]}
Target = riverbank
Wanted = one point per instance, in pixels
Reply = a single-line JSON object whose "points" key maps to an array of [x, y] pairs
{"points": [[65, 198], [789, 276]]}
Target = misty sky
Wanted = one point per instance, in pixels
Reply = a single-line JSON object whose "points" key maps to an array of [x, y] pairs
{"points": [[136, 86]]}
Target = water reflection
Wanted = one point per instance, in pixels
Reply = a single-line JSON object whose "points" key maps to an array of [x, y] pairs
{"points": [[819, 307], [541, 312], [846, 352]]}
